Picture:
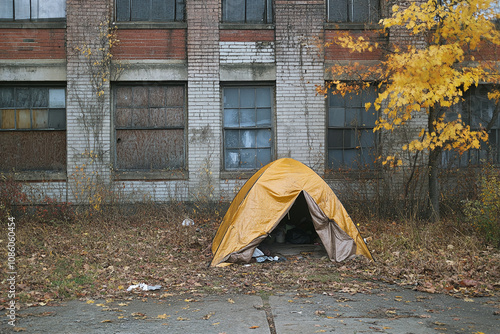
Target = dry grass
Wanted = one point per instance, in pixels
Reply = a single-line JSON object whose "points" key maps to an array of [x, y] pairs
{"points": [[101, 256]]}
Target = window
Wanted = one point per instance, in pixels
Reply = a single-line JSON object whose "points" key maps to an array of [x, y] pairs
{"points": [[477, 111], [32, 10], [247, 11], [149, 124], [150, 10], [33, 124], [351, 141], [247, 127], [353, 11]]}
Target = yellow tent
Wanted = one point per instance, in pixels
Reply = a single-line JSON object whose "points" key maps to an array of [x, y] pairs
{"points": [[267, 197]]}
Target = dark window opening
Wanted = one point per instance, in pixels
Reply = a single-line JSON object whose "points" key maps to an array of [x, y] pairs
{"points": [[247, 11], [351, 141], [366, 11], [150, 10]]}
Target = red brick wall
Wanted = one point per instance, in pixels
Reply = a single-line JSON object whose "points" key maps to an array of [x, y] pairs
{"points": [[336, 52], [151, 44], [247, 35], [32, 44]]}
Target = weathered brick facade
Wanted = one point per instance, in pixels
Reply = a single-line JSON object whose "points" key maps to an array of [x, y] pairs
{"points": [[202, 53]]}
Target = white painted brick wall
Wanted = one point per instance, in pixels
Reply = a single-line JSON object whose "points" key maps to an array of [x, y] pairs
{"points": [[246, 52], [300, 113]]}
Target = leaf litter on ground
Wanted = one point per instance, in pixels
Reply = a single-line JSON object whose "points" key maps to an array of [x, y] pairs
{"points": [[97, 258]]}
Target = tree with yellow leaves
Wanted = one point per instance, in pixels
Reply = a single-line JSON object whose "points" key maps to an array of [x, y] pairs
{"points": [[430, 75]]}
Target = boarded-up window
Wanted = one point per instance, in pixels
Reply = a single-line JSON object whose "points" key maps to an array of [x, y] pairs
{"points": [[23, 10], [150, 10], [149, 123], [32, 128], [354, 11], [247, 127], [247, 11], [351, 141]]}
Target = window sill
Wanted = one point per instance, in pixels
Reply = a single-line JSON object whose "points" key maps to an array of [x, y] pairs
{"points": [[40, 176], [156, 175], [352, 26], [33, 25], [237, 174], [150, 25], [245, 26]]}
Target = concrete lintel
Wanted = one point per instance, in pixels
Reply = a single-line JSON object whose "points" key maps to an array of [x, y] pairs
{"points": [[248, 72], [154, 70], [33, 70]]}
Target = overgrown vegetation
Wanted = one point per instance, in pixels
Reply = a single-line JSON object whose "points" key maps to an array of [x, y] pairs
{"points": [[484, 212], [100, 255]]}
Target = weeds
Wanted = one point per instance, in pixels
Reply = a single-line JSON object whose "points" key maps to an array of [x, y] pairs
{"points": [[484, 212]]}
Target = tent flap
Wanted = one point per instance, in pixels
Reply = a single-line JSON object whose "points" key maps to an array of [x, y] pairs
{"points": [[338, 244]]}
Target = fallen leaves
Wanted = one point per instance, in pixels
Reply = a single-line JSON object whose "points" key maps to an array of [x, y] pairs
{"points": [[113, 255]]}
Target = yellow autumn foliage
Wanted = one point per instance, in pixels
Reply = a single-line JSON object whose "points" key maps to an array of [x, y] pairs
{"points": [[432, 75]]}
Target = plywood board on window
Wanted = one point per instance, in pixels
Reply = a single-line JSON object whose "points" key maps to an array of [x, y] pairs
{"points": [[149, 149], [33, 150]]}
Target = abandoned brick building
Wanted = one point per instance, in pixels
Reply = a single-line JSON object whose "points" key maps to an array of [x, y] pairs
{"points": [[201, 93]]}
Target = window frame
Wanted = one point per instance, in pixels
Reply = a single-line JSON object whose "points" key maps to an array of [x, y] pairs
{"points": [[474, 157], [177, 12], [270, 127], [35, 173], [358, 129], [351, 13], [268, 15], [31, 19], [152, 173]]}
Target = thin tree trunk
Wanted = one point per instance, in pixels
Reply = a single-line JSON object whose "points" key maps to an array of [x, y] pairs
{"points": [[434, 185], [433, 167]]}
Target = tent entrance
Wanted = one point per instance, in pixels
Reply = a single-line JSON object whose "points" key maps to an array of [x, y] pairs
{"points": [[295, 233]]}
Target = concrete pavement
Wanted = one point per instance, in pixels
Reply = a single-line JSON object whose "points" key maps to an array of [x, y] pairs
{"points": [[389, 310]]}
